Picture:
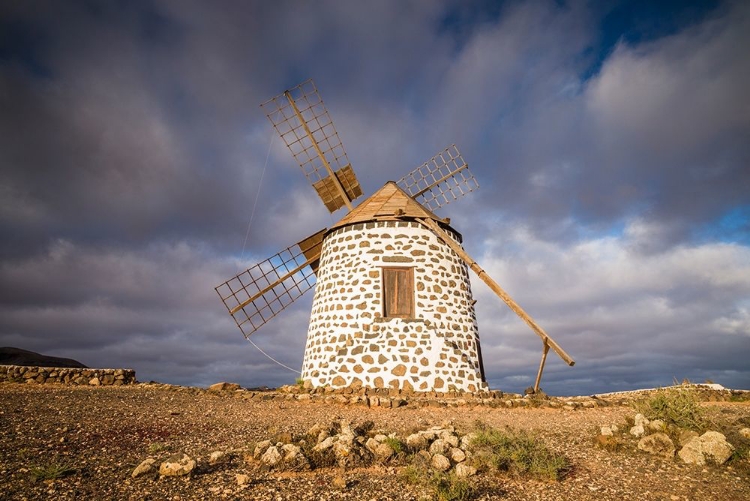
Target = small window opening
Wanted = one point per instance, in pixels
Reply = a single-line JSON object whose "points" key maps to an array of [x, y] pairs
{"points": [[398, 292]]}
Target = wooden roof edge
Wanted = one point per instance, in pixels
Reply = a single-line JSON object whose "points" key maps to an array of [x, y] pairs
{"points": [[365, 214]]}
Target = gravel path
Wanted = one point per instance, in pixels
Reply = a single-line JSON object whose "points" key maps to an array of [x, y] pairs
{"points": [[102, 433]]}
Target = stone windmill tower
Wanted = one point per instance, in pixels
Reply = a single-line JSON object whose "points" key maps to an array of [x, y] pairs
{"points": [[393, 306]]}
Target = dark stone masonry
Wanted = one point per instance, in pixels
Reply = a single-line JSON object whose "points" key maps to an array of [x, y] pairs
{"points": [[66, 375]]}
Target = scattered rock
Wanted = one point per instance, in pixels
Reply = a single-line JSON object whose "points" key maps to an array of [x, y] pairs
{"points": [[637, 431], [261, 448], [177, 466], [416, 442], [657, 425], [658, 444], [217, 457], [145, 468], [467, 439], [457, 455], [640, 420], [745, 433], [324, 445], [316, 430], [242, 479], [293, 458], [290, 451], [271, 457], [380, 450], [440, 462], [607, 442], [686, 436], [223, 386], [606, 431], [464, 470], [438, 446], [450, 439], [338, 482]]}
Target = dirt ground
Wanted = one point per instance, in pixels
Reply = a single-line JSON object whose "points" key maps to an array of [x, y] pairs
{"points": [[100, 434]]}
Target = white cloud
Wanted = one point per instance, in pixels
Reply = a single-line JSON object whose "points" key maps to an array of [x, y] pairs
{"points": [[599, 299]]}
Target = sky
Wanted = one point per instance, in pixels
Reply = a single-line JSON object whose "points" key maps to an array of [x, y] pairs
{"points": [[610, 140]]}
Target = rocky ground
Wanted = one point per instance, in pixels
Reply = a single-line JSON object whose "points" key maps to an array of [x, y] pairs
{"points": [[95, 437]]}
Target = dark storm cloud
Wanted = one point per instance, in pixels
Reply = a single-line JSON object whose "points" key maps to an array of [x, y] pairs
{"points": [[132, 149]]}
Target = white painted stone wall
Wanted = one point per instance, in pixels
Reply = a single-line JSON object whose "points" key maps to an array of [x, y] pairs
{"points": [[350, 343]]}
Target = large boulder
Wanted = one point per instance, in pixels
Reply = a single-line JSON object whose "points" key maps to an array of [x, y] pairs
{"points": [[711, 447]]}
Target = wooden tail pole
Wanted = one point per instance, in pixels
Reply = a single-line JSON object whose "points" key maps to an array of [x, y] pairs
{"points": [[541, 367], [546, 339]]}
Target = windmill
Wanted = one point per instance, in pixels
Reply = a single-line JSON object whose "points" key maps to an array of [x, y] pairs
{"points": [[393, 306]]}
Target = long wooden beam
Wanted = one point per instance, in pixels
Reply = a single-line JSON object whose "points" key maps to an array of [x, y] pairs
{"points": [[546, 339], [327, 166]]}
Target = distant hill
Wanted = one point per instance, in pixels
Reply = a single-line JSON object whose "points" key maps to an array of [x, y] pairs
{"points": [[17, 356]]}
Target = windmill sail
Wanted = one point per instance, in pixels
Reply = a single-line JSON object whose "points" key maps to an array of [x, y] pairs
{"points": [[302, 121], [441, 180], [261, 292]]}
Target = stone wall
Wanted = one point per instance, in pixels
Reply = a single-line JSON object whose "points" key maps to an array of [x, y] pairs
{"points": [[66, 375], [351, 343]]}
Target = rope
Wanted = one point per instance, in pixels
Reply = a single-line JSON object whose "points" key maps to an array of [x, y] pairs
{"points": [[247, 234], [271, 358], [257, 196]]}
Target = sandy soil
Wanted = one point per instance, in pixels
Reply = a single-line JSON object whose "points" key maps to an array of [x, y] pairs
{"points": [[102, 433]]}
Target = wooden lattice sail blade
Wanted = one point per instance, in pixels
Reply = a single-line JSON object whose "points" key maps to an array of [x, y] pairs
{"points": [[259, 293], [303, 122], [441, 180], [330, 195]]}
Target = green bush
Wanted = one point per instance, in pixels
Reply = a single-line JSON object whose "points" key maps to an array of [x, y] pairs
{"points": [[448, 487], [157, 447], [443, 486], [676, 407], [51, 471], [518, 453], [394, 443]]}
